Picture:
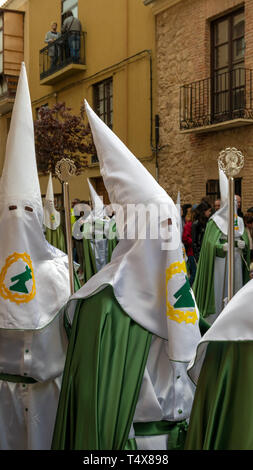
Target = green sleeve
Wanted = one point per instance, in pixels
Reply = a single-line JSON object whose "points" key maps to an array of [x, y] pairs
{"points": [[90, 267], [112, 240], [203, 326], [203, 286], [219, 249], [56, 238]]}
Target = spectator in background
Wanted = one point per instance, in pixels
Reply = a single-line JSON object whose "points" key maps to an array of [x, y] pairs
{"points": [[186, 208], [250, 210], [248, 222], [209, 201], [216, 205], [239, 205], [187, 241], [73, 27], [50, 37], [202, 214]]}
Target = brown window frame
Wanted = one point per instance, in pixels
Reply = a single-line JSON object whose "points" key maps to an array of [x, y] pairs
{"points": [[229, 87], [216, 193], [107, 100]]}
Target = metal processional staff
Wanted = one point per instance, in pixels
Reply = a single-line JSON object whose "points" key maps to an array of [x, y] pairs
{"points": [[231, 161], [65, 169]]}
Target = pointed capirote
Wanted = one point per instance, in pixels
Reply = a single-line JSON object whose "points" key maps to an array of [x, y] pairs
{"points": [[223, 187], [221, 216], [97, 204], [50, 191], [127, 181], [20, 175], [51, 217]]}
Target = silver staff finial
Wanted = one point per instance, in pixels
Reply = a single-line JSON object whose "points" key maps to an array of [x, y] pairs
{"points": [[65, 169], [231, 161]]}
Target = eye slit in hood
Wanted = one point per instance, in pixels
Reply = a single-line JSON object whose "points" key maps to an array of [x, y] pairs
{"points": [[29, 209], [12, 208]]}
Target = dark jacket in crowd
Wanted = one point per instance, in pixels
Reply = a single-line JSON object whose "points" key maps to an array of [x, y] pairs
{"points": [[198, 231]]}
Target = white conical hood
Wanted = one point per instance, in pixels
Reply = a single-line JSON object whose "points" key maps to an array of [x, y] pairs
{"points": [[50, 190], [52, 217], [34, 277], [223, 187], [97, 204], [127, 181], [221, 217], [144, 272], [19, 180]]}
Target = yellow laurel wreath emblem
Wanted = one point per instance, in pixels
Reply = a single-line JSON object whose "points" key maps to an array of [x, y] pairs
{"points": [[178, 316], [4, 291]]}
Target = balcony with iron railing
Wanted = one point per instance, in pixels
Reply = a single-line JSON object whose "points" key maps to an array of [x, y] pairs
{"points": [[219, 102], [62, 58]]}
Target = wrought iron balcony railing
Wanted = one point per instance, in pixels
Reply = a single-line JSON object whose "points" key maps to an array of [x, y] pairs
{"points": [[66, 50], [223, 97]]}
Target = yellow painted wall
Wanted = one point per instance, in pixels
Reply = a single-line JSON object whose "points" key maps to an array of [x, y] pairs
{"points": [[116, 30]]}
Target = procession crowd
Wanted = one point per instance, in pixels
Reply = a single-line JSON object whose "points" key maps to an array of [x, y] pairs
{"points": [[150, 353], [194, 220]]}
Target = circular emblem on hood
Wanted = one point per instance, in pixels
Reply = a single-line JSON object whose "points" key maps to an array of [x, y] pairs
{"points": [[180, 301], [17, 282]]}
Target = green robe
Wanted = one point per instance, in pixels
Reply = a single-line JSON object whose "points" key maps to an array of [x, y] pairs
{"points": [[103, 374], [221, 414], [56, 238], [203, 285]]}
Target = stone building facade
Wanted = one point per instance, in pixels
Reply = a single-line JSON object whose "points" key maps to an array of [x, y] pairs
{"points": [[197, 40], [114, 72]]}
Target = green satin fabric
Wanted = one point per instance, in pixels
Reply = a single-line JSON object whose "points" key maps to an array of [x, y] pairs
{"points": [[222, 416], [203, 326], [131, 445], [176, 432], [203, 283], [104, 368], [112, 241], [90, 267], [203, 286], [56, 238]]}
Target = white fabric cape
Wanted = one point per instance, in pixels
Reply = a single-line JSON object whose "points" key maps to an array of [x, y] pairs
{"points": [[141, 271], [148, 280], [34, 286], [235, 323], [131, 260]]}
